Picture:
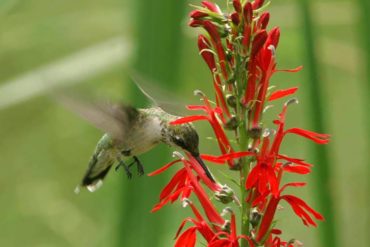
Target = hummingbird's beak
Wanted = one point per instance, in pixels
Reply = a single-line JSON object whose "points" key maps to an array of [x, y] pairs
{"points": [[205, 168]]}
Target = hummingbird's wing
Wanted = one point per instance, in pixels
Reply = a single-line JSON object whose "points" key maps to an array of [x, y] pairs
{"points": [[159, 96], [114, 119]]}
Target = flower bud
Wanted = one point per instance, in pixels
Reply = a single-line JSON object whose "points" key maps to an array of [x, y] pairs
{"points": [[237, 6], [231, 100], [248, 13], [235, 18], [197, 14], [211, 6], [264, 20], [236, 166], [273, 37], [255, 217], [203, 45], [225, 195], [226, 226], [258, 42], [232, 123], [258, 4], [255, 132]]}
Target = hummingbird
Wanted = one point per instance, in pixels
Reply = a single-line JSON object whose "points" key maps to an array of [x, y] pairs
{"points": [[129, 132]]}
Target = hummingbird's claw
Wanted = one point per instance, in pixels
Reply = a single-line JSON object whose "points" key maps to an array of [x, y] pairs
{"points": [[140, 167], [127, 169], [128, 173]]}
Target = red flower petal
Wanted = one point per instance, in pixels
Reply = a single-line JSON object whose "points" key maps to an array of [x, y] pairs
{"points": [[211, 6], [300, 207], [172, 184], [162, 169], [203, 45], [189, 119], [223, 158], [258, 4], [258, 42], [299, 68], [187, 239], [237, 6], [294, 160], [264, 20], [282, 93], [316, 137], [296, 184], [273, 37]]}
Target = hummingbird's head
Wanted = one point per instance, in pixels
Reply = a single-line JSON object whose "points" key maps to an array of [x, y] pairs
{"points": [[185, 137]]}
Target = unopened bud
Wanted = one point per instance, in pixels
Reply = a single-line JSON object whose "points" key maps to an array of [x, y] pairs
{"points": [[291, 101], [226, 227], [255, 132], [235, 18], [225, 195], [295, 242], [255, 217], [186, 202], [236, 166], [199, 93], [264, 20], [231, 100], [226, 211], [237, 6], [232, 123]]}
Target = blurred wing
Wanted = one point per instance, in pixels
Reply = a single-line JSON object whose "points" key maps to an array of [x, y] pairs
{"points": [[110, 118], [168, 101]]}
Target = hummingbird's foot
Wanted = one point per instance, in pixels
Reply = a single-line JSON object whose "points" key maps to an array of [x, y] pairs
{"points": [[127, 168], [140, 167]]}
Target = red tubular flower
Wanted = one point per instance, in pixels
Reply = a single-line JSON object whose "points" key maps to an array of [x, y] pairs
{"points": [[263, 177], [198, 14], [211, 117], [248, 13], [258, 42], [235, 18], [300, 208], [264, 20], [237, 6], [216, 40], [240, 53], [189, 236], [212, 7], [258, 4], [226, 239], [209, 209], [278, 94], [204, 46]]}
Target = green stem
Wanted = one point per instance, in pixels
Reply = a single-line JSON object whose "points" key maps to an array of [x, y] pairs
{"points": [[322, 170], [245, 165], [364, 37]]}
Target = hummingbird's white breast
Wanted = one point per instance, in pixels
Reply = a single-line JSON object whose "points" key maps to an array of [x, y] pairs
{"points": [[143, 136]]}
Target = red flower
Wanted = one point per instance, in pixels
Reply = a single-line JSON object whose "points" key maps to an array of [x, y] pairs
{"points": [[189, 236], [212, 118], [226, 239], [301, 209]]}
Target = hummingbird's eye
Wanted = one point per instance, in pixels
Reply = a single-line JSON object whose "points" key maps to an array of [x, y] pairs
{"points": [[179, 141]]}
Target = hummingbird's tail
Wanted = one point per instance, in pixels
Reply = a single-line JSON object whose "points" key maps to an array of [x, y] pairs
{"points": [[92, 183], [95, 174], [205, 168]]}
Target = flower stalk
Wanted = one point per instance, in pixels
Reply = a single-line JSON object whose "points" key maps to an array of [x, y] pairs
{"points": [[240, 52]]}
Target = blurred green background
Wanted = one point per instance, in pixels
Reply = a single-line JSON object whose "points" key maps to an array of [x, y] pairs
{"points": [[90, 46]]}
